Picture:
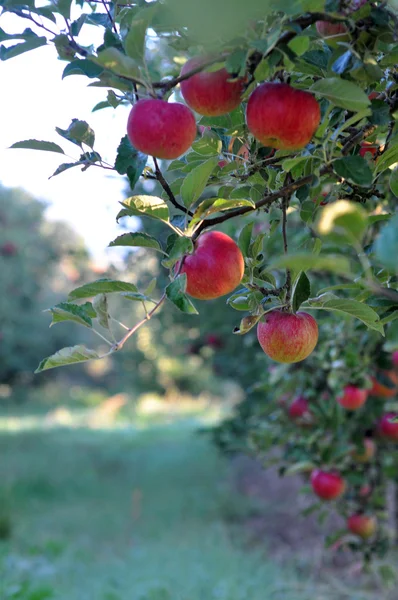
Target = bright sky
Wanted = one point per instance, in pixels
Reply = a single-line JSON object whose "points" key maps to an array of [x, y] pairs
{"points": [[34, 100]]}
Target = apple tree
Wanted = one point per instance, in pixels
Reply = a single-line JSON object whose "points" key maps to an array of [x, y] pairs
{"points": [[280, 126]]}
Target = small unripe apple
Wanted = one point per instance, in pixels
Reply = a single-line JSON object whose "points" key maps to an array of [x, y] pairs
{"points": [[282, 117], [362, 525], [368, 147], [161, 129], [287, 337], [352, 398], [381, 390], [367, 453], [326, 485], [215, 267], [210, 93], [298, 408], [387, 427]]}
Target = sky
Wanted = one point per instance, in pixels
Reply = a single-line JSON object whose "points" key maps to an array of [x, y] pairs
{"points": [[34, 100]]}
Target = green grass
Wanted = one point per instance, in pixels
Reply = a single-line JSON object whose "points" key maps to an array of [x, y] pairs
{"points": [[128, 515]]}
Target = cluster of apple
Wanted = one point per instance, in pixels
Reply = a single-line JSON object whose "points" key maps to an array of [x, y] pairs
{"points": [[330, 485], [167, 130]]}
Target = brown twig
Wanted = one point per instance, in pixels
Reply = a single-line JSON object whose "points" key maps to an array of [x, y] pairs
{"points": [[119, 345], [288, 283], [108, 12], [168, 190]]}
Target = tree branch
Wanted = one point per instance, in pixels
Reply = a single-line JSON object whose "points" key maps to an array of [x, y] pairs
{"points": [[288, 283], [119, 345], [168, 190], [109, 16]]}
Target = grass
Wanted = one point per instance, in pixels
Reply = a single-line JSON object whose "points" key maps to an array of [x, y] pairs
{"points": [[128, 514]]}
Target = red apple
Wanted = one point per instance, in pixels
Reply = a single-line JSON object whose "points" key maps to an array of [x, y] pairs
{"points": [[287, 337], [362, 525], [282, 117], [395, 358], [387, 427], [352, 398], [365, 490], [161, 129], [322, 202], [214, 341], [326, 485], [215, 268], [299, 408], [8, 249], [368, 147], [210, 93], [327, 29], [381, 390], [367, 453], [373, 95]]}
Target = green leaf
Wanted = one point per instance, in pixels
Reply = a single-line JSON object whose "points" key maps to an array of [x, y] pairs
{"points": [[117, 62], [308, 261], [388, 575], [175, 292], [66, 311], [354, 169], [195, 183], [67, 356], [64, 167], [341, 92], [245, 237], [214, 205], [300, 44], [246, 324], [301, 291], [361, 311], [394, 182], [78, 132], [83, 67], [100, 306], [130, 161], [180, 247], [148, 206], [101, 286], [343, 221], [208, 145], [388, 158], [38, 145], [17, 49], [139, 239], [63, 7], [300, 467], [134, 42], [386, 245]]}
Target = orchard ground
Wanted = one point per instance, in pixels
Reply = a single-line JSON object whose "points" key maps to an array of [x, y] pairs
{"points": [[103, 500]]}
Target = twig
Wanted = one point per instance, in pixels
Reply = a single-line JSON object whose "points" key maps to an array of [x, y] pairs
{"points": [[167, 189], [165, 86], [119, 345], [358, 137], [19, 13], [109, 16]]}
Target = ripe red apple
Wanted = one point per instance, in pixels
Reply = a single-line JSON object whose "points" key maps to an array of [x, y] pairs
{"points": [[282, 117], [161, 129], [367, 453], [395, 358], [327, 29], [287, 337], [214, 341], [326, 485], [365, 490], [353, 397], [215, 268], [362, 525], [299, 409], [381, 390], [8, 249], [210, 93], [373, 95], [368, 147], [387, 428]]}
